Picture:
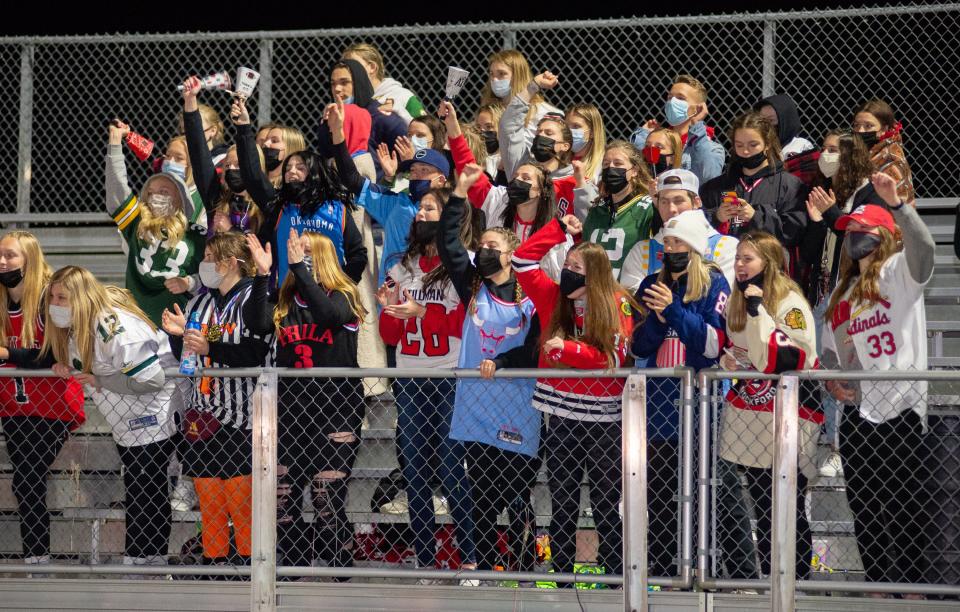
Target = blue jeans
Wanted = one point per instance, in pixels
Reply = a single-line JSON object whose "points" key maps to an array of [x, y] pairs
{"points": [[424, 409]]}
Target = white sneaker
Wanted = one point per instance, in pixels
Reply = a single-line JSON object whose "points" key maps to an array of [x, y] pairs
{"points": [[184, 496], [832, 467], [397, 506]]}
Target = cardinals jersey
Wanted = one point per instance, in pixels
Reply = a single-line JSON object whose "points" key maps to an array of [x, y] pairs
{"points": [[887, 335], [431, 341]]}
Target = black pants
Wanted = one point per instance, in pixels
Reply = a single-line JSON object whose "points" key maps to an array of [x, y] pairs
{"points": [[148, 513], [33, 443], [883, 464], [760, 487], [500, 479], [663, 489], [573, 448], [734, 535]]}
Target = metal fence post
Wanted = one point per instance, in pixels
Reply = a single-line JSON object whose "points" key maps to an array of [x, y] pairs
{"points": [[509, 39], [635, 521], [25, 147], [265, 84], [769, 57], [687, 491], [263, 559], [783, 564], [703, 489]]}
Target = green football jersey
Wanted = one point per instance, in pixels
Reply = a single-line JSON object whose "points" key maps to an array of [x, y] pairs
{"points": [[618, 233], [150, 262]]}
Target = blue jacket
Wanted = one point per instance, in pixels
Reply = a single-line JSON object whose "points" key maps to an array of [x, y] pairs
{"points": [[393, 211], [701, 155], [693, 335]]}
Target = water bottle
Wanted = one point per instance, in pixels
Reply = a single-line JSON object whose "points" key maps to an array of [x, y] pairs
{"points": [[188, 360]]}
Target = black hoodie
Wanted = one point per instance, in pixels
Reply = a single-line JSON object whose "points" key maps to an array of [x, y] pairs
{"points": [[788, 118]]}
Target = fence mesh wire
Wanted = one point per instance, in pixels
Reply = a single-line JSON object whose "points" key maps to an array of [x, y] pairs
{"points": [[828, 64]]}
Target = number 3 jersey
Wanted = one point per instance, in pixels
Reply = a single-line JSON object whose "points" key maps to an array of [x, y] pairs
{"points": [[432, 341], [888, 335]]}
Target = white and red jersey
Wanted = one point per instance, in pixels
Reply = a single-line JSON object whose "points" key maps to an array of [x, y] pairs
{"points": [[888, 335], [50, 398], [593, 399], [431, 341]]}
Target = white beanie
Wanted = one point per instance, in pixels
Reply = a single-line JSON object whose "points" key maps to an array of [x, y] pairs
{"points": [[691, 227]]}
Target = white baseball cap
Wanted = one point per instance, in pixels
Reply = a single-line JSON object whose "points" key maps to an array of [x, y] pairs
{"points": [[678, 178], [691, 227]]}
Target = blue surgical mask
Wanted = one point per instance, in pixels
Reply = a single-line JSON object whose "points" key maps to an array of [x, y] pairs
{"points": [[171, 167], [579, 142], [500, 87], [348, 100], [418, 188], [419, 143], [676, 111]]}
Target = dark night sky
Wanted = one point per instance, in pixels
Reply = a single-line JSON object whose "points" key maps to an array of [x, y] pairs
{"points": [[135, 16]]}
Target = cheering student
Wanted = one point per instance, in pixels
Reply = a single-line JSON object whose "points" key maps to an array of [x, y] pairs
{"points": [[392, 96], [103, 340], [587, 323], [875, 321], [876, 125], [37, 414], [509, 73], [315, 319]]}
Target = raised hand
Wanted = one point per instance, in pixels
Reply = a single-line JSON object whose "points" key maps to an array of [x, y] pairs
{"points": [[546, 80], [404, 148], [388, 161], [174, 323], [333, 114], [886, 188], [294, 248], [468, 177], [191, 87], [573, 225], [238, 111], [448, 113], [118, 130], [387, 294], [262, 258]]}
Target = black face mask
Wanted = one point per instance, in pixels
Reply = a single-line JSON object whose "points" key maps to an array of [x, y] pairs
{"points": [[750, 163], [859, 244], [233, 180], [425, 231], [488, 262], [614, 179], [518, 191], [490, 141], [271, 158], [542, 148], [662, 165], [676, 262], [11, 278], [293, 191], [756, 280], [869, 138], [570, 281]]}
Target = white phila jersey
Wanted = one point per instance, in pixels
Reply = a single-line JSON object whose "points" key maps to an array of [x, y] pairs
{"points": [[124, 343], [888, 335]]}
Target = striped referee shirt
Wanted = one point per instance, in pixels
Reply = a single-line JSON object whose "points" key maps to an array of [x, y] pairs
{"points": [[229, 399]]}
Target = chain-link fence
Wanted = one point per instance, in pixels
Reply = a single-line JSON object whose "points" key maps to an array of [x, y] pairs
{"points": [[875, 510], [60, 92]]}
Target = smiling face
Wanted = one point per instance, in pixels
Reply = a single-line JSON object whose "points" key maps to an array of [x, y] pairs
{"points": [[748, 262], [296, 170]]}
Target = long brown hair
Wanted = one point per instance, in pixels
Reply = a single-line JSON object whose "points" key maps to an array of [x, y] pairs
{"points": [[601, 319], [593, 156], [776, 284], [855, 166], [326, 272], [545, 207], [866, 286], [879, 109], [36, 273], [753, 120]]}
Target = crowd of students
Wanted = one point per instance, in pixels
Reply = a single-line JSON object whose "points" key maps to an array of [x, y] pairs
{"points": [[522, 238]]}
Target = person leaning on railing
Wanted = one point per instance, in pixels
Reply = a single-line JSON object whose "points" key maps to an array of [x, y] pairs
{"points": [[316, 320], [875, 321], [102, 339], [37, 413], [587, 323], [770, 328]]}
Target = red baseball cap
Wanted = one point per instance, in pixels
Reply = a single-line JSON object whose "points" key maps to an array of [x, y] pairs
{"points": [[870, 215]]}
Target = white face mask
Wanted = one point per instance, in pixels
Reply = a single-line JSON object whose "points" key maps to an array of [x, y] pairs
{"points": [[160, 205], [829, 163], [209, 275], [62, 316], [500, 87]]}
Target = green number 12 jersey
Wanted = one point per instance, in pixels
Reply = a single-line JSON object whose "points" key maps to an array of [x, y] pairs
{"points": [[618, 232]]}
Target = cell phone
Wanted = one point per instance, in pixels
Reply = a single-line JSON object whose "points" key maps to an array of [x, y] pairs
{"points": [[731, 196]]}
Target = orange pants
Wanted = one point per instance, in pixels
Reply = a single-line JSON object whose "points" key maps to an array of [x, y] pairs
{"points": [[222, 500]]}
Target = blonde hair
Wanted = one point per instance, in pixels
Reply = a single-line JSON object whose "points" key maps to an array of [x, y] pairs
{"points": [[686, 79], [253, 211], [89, 300], [232, 244], [698, 277], [188, 176], [675, 143], [293, 141], [368, 53], [326, 272], [495, 109], [36, 273], [593, 158], [776, 284], [520, 76], [475, 141], [171, 228], [640, 184], [213, 121], [601, 319], [866, 286]]}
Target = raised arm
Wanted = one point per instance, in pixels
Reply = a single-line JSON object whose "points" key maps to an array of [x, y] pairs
{"points": [[118, 192], [257, 183], [201, 161], [452, 253]]}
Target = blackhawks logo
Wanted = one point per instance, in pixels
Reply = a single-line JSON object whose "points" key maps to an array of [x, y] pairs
{"points": [[795, 319]]}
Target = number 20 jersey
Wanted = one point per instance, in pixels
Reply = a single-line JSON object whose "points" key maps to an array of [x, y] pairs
{"points": [[888, 335]]}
